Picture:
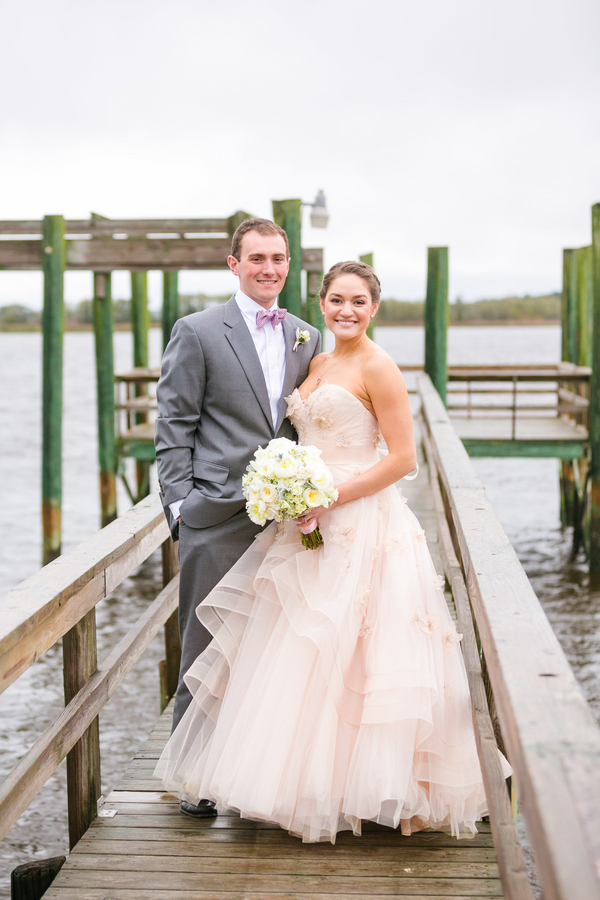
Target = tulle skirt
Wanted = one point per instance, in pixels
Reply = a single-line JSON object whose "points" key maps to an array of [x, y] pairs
{"points": [[334, 689]]}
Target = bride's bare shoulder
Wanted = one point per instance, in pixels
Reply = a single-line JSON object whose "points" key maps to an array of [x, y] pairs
{"points": [[315, 361]]}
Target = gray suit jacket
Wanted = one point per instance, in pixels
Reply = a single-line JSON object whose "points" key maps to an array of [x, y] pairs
{"points": [[213, 410]]}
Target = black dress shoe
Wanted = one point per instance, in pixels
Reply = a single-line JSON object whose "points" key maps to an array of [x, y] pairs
{"points": [[204, 810]]}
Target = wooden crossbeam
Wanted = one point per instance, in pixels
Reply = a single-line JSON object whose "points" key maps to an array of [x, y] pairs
{"points": [[135, 254]]}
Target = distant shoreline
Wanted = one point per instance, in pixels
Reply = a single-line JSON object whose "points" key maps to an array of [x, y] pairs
{"points": [[472, 323]]}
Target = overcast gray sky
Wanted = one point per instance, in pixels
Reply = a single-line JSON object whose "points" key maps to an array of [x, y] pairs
{"points": [[468, 123]]}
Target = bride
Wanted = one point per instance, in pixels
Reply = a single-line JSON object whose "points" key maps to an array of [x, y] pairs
{"points": [[334, 690]]}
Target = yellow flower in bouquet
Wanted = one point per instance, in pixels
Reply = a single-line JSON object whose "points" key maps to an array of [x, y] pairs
{"points": [[285, 480]]}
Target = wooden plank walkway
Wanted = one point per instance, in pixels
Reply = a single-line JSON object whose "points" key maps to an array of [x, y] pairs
{"points": [[149, 851]]}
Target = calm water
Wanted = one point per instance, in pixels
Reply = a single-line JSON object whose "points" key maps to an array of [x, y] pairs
{"points": [[523, 492]]}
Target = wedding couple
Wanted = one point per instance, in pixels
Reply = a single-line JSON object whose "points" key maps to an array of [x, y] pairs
{"points": [[318, 688]]}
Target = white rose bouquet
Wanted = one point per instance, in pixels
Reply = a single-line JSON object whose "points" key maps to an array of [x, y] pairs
{"points": [[284, 481]]}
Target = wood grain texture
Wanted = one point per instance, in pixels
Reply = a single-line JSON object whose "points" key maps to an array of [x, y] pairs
{"points": [[549, 730], [29, 776], [510, 860], [39, 611]]}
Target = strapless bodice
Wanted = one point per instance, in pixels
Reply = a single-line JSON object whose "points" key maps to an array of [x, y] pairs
{"points": [[336, 422]]}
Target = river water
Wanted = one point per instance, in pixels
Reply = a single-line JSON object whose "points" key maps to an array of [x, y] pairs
{"points": [[524, 494]]}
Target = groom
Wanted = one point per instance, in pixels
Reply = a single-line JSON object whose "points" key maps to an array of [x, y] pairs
{"points": [[225, 373]]}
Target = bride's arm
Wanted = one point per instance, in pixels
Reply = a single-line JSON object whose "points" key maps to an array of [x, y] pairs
{"points": [[387, 392], [385, 388]]}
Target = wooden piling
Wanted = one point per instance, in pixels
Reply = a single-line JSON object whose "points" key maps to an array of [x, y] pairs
{"points": [[436, 318], [107, 455], [53, 264], [140, 322], [367, 258], [287, 214], [595, 399], [169, 667], [170, 307], [31, 880], [80, 662], [585, 306], [569, 353], [312, 313]]}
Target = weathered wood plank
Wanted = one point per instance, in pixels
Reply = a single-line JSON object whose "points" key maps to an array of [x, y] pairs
{"points": [[102, 226], [259, 865], [510, 861], [39, 763], [354, 852], [135, 253], [294, 884], [552, 739], [85, 893], [40, 610]]}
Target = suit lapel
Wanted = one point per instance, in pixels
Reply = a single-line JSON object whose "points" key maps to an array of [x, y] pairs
{"points": [[243, 346], [292, 367]]}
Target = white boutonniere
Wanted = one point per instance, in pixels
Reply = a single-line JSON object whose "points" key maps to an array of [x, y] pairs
{"points": [[302, 337]]}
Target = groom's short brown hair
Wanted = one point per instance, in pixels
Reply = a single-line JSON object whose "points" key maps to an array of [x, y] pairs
{"points": [[262, 226]]}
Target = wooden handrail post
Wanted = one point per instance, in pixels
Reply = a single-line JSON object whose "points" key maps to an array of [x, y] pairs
{"points": [[170, 307], [595, 399], [107, 455], [139, 326], [436, 319], [169, 667], [53, 264], [80, 661], [367, 258], [287, 214]]}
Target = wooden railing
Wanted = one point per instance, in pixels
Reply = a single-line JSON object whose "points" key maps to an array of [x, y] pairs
{"points": [[548, 730], [563, 387], [59, 602]]}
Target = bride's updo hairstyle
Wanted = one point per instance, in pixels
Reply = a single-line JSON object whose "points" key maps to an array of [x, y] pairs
{"points": [[353, 268]]}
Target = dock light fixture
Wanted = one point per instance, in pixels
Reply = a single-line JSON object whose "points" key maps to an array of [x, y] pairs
{"points": [[319, 216]]}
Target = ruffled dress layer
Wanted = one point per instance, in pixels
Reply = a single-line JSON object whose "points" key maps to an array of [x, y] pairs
{"points": [[334, 689]]}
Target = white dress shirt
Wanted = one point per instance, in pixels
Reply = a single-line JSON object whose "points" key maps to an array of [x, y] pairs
{"points": [[270, 347]]}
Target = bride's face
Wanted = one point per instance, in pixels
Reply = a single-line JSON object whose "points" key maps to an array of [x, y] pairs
{"points": [[348, 307]]}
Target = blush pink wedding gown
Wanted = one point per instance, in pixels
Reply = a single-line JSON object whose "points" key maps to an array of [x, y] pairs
{"points": [[334, 688]]}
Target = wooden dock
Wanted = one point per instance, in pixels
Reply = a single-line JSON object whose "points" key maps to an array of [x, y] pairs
{"points": [[149, 851], [140, 847]]}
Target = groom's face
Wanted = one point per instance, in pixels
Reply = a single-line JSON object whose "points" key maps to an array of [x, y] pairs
{"points": [[262, 267]]}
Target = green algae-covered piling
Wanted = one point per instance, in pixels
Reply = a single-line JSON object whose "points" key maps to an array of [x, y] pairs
{"points": [[595, 399], [367, 258], [287, 214], [436, 318], [140, 322], [107, 455], [53, 317], [170, 307]]}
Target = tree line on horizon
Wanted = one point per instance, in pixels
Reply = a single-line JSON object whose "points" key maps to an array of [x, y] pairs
{"points": [[539, 308]]}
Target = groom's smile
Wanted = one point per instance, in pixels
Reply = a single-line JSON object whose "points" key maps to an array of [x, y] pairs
{"points": [[262, 267]]}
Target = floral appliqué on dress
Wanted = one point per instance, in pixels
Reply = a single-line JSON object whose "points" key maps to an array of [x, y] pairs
{"points": [[449, 639], [343, 534], [395, 542], [341, 439], [320, 410], [423, 621]]}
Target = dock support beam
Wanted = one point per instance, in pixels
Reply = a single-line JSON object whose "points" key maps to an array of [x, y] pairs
{"points": [[53, 265], [169, 666], [287, 214], [139, 325], [107, 456], [367, 258], [80, 662], [595, 399], [568, 320], [170, 307], [436, 319]]}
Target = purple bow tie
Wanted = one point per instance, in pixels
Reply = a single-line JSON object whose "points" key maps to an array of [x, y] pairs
{"points": [[274, 316]]}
